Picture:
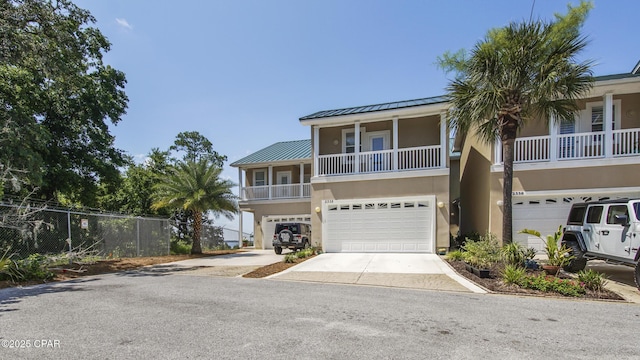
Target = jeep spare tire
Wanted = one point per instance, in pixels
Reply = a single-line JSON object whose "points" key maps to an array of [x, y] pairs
{"points": [[285, 236]]}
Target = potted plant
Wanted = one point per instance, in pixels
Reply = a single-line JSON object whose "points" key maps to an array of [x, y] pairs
{"points": [[558, 256]]}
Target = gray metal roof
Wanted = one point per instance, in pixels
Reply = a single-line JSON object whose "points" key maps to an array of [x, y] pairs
{"points": [[281, 151], [377, 107], [615, 76]]}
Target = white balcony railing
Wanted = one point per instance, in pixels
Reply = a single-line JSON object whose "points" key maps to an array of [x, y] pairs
{"points": [[416, 158], [574, 146], [289, 191]]}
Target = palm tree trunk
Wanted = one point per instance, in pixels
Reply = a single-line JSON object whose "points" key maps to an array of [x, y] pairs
{"points": [[507, 178], [196, 247]]}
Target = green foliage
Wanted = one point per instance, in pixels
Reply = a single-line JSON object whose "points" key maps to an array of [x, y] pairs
{"points": [[197, 147], [513, 254], [290, 258], [553, 284], [482, 253], [33, 267], [180, 247], [557, 255], [513, 274], [57, 98], [196, 186], [305, 253], [592, 280], [455, 255]]}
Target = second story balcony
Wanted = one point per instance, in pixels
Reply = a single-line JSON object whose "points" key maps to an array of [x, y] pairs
{"points": [[275, 192]]}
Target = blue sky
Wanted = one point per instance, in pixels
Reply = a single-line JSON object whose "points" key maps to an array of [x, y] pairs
{"points": [[242, 72]]}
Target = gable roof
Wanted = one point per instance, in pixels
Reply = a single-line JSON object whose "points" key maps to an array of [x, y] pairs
{"points": [[280, 151], [376, 107]]}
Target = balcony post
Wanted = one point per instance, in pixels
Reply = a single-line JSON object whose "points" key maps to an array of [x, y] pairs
{"points": [[443, 140], [356, 150], [301, 179], [498, 152], [395, 143], [608, 125], [241, 193], [553, 138], [269, 180], [316, 149]]}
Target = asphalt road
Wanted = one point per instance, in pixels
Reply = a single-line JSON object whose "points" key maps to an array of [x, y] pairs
{"points": [[182, 316]]}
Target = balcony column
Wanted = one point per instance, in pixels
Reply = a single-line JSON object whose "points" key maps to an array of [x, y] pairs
{"points": [[316, 149], [269, 180], [443, 140], [395, 143], [553, 138], [241, 193], [498, 152], [356, 150], [608, 125], [240, 229], [301, 179]]}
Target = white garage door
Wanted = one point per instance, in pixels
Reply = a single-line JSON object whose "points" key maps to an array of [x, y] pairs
{"points": [[545, 214], [380, 225], [269, 226]]}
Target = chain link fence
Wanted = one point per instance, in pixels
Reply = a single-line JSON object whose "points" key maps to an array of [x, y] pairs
{"points": [[25, 231]]}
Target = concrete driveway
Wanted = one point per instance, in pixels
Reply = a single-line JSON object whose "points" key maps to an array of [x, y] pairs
{"points": [[223, 265], [416, 271]]}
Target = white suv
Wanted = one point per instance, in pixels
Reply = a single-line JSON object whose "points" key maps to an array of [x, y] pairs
{"points": [[607, 230]]}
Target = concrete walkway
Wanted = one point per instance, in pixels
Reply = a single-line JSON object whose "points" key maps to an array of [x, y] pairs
{"points": [[226, 265], [416, 271]]}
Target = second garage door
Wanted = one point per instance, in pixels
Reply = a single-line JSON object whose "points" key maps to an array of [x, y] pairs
{"points": [[545, 214], [380, 225]]}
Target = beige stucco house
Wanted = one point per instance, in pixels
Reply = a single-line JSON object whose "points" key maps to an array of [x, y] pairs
{"points": [[557, 164], [390, 193]]}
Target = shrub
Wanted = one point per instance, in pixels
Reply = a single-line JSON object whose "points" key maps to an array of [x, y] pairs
{"points": [[304, 253], [513, 274], [180, 247], [592, 280], [482, 253], [290, 258], [513, 254], [35, 268], [455, 255], [553, 284]]}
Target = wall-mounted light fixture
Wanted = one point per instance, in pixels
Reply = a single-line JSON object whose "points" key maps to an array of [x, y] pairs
{"points": [[317, 209], [336, 141], [499, 203], [440, 204]]}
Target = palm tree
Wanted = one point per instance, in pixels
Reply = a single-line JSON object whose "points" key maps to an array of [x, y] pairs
{"points": [[196, 186], [523, 72]]}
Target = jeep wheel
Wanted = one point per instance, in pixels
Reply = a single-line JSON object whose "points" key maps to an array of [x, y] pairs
{"points": [[306, 244], [278, 250], [637, 275], [579, 262]]}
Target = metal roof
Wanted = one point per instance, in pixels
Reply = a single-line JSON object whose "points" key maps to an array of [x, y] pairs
{"points": [[280, 151], [615, 76], [377, 107]]}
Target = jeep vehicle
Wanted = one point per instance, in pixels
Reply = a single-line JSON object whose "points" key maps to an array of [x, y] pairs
{"points": [[291, 235], [607, 230]]}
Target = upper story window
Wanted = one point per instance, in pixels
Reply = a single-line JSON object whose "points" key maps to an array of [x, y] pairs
{"points": [[349, 141], [259, 178], [595, 114]]}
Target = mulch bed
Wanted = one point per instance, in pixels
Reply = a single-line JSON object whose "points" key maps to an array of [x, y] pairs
{"points": [[494, 284], [273, 268]]}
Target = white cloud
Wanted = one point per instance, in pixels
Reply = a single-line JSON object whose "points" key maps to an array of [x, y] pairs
{"points": [[124, 23]]}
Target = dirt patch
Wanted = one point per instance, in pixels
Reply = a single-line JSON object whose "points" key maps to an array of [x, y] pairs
{"points": [[273, 268], [495, 284], [74, 271]]}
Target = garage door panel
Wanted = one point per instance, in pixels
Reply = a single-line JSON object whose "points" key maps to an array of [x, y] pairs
{"points": [[380, 225]]}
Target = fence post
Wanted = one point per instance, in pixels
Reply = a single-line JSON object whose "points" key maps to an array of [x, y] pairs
{"points": [[69, 233], [137, 236]]}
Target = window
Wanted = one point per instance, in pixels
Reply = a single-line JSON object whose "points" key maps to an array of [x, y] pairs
{"points": [[259, 178], [349, 140], [576, 215], [597, 118], [594, 214], [616, 210], [594, 121], [636, 209]]}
